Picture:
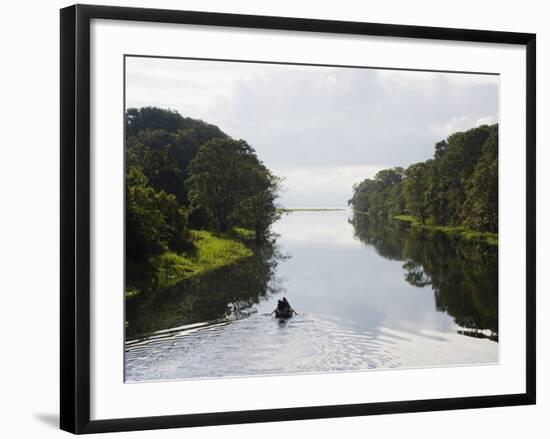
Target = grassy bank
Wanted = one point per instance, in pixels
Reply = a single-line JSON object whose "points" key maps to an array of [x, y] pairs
{"points": [[489, 238], [244, 234], [306, 209], [211, 251]]}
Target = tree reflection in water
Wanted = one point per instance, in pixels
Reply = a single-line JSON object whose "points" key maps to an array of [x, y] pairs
{"points": [[463, 274], [226, 293]]}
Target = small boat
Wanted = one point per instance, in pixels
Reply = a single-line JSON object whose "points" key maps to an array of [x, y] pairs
{"points": [[285, 314]]}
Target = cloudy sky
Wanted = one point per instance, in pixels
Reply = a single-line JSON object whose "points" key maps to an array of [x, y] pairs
{"points": [[321, 128]]}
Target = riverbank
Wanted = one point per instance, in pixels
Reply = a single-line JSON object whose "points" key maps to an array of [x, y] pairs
{"points": [[489, 238], [308, 209], [211, 251]]}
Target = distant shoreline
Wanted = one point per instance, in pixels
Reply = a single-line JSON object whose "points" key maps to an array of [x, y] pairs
{"points": [[310, 209]]}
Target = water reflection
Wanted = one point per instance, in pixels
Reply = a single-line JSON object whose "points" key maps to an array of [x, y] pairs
{"points": [[369, 295], [226, 293], [463, 274]]}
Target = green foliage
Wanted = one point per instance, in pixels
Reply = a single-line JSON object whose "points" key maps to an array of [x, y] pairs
{"points": [[487, 237], [154, 220], [453, 171], [211, 252], [153, 118], [149, 151], [380, 195], [457, 188], [480, 208], [257, 210], [162, 144], [187, 296], [245, 234], [227, 186], [416, 189], [231, 187]]}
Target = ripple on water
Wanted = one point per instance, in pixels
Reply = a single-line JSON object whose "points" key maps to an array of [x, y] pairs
{"points": [[256, 345], [264, 345]]}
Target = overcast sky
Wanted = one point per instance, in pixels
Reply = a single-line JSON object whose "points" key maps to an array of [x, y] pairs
{"points": [[321, 128]]}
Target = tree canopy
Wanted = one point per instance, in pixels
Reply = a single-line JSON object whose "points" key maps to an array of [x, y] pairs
{"points": [[231, 186], [154, 220], [184, 173], [458, 186]]}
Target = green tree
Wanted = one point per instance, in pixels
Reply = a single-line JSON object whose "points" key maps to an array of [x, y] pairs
{"points": [[381, 195], [150, 151], [361, 193], [416, 187], [229, 184], [162, 143], [151, 118], [480, 208], [258, 208], [154, 220], [459, 186], [455, 164]]}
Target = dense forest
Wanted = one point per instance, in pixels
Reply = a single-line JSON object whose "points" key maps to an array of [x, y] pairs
{"points": [[457, 187], [195, 197]]}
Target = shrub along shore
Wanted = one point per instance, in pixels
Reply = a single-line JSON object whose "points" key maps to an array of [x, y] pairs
{"points": [[488, 237], [211, 251], [455, 192], [308, 209], [195, 197]]}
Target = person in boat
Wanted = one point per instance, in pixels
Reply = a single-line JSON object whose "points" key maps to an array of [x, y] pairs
{"points": [[286, 305], [283, 307]]}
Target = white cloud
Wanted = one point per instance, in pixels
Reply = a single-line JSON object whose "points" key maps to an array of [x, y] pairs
{"points": [[462, 123], [322, 187], [323, 121], [486, 120]]}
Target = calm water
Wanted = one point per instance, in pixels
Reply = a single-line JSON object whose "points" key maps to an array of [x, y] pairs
{"points": [[369, 295]]}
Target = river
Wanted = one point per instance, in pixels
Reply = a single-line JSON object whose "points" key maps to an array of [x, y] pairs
{"points": [[368, 295]]}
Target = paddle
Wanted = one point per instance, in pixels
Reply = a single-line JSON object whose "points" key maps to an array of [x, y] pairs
{"points": [[291, 309]]}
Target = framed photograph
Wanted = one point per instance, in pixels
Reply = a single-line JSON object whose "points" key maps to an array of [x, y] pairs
{"points": [[272, 218]]}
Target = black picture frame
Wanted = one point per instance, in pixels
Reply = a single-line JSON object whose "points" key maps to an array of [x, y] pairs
{"points": [[75, 217]]}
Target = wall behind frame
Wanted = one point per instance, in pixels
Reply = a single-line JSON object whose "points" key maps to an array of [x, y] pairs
{"points": [[29, 182]]}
